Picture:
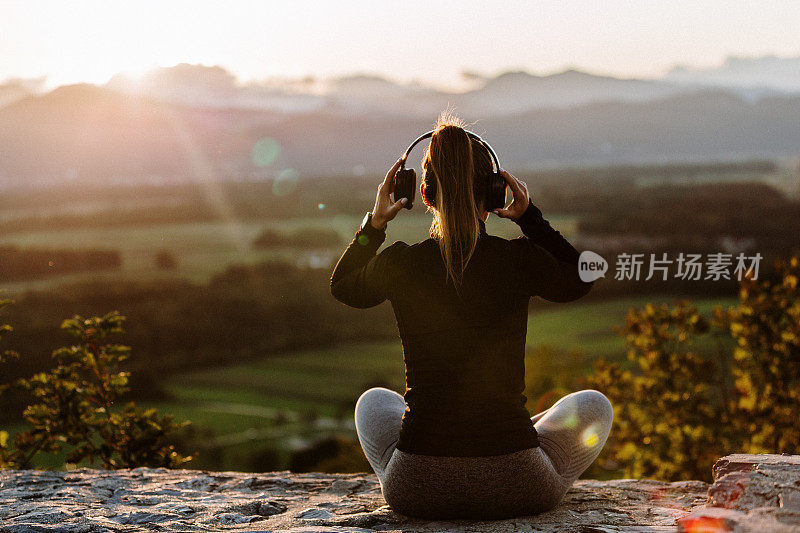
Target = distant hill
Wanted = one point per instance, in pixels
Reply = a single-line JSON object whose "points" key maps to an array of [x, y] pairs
{"points": [[754, 76], [85, 132], [88, 132], [515, 92], [505, 94], [14, 90]]}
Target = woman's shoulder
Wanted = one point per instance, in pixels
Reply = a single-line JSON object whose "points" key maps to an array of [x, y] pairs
{"points": [[430, 245], [404, 250], [396, 248], [421, 245]]}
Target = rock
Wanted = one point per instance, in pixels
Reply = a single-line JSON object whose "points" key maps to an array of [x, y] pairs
{"points": [[343, 487], [312, 514], [750, 493]]}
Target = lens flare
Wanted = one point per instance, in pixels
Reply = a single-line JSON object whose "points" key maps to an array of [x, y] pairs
{"points": [[285, 182], [206, 175], [571, 421], [589, 437], [265, 151], [704, 524], [320, 206]]}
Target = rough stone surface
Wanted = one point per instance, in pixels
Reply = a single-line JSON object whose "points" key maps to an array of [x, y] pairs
{"points": [[751, 493]]}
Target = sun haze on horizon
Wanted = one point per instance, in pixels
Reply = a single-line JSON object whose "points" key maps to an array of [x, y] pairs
{"points": [[93, 40]]}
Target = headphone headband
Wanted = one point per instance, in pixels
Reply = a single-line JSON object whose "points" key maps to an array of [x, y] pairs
{"points": [[473, 136]]}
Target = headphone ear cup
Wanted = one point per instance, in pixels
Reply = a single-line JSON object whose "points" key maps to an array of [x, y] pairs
{"points": [[405, 186], [429, 192], [495, 191]]}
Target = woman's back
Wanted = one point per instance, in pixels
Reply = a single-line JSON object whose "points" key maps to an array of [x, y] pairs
{"points": [[464, 350]]}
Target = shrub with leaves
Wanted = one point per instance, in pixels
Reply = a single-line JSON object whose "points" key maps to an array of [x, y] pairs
{"points": [[74, 407], [766, 362], [705, 387]]}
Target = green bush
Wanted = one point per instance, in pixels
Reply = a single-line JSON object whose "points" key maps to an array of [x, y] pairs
{"points": [[166, 260], [703, 387], [74, 407]]}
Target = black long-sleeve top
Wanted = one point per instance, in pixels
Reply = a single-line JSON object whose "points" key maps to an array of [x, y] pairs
{"points": [[464, 356]]}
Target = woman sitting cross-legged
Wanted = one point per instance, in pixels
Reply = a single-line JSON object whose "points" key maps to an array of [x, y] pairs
{"points": [[460, 443]]}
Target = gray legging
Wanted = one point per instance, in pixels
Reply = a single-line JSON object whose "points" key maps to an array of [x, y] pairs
{"points": [[571, 434]]}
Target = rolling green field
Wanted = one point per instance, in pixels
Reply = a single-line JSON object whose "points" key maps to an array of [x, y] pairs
{"points": [[204, 249], [312, 393]]}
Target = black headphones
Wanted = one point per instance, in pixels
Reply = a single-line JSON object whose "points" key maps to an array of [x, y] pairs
{"points": [[405, 180]]}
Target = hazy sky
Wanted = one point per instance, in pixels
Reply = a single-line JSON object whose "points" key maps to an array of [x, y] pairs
{"points": [[82, 40]]}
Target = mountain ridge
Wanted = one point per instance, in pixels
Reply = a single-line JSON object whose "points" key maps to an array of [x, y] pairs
{"points": [[86, 132]]}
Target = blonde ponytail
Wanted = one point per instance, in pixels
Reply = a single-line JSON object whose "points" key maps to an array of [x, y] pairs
{"points": [[456, 225]]}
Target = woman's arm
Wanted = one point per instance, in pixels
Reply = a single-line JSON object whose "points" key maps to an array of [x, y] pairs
{"points": [[549, 262], [539, 230], [360, 278]]}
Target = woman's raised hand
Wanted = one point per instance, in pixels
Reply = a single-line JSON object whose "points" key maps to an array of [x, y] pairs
{"points": [[385, 210], [520, 200]]}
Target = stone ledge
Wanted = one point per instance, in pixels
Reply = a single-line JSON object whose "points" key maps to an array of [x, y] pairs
{"points": [[751, 493], [751, 490]]}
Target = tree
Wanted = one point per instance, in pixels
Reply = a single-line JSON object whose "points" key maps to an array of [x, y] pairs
{"points": [[166, 260], [766, 362], [687, 402], [74, 406]]}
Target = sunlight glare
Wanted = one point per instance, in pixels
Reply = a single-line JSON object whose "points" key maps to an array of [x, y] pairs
{"points": [[285, 182], [704, 524], [265, 151], [571, 420], [590, 438], [203, 171]]}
